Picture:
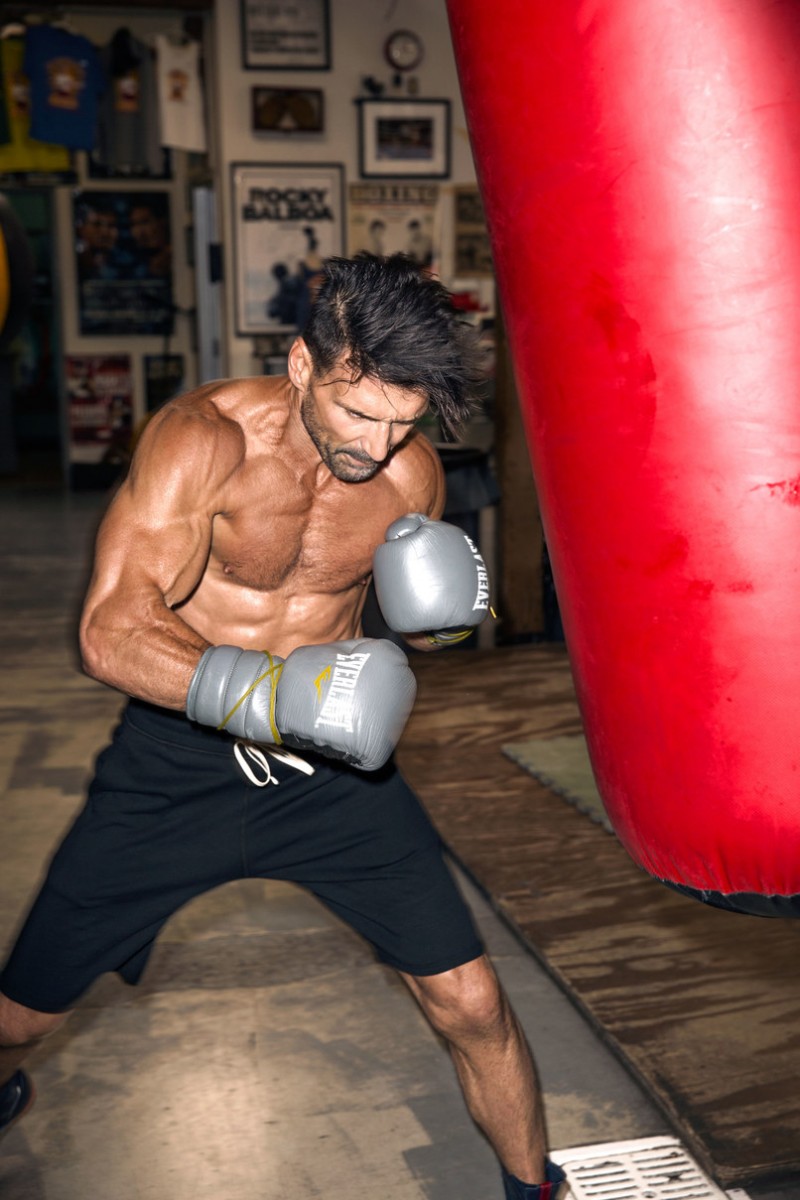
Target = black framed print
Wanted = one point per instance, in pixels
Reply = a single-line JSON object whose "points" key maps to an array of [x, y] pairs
{"points": [[404, 138], [285, 35], [287, 110]]}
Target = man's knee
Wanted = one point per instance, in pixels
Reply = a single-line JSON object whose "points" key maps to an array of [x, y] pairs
{"points": [[465, 1002], [21, 1026]]}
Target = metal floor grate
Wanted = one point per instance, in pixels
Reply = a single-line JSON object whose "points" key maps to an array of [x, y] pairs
{"points": [[656, 1168]]}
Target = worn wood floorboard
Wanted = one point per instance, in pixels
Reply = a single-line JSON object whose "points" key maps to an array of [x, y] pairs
{"points": [[703, 1005]]}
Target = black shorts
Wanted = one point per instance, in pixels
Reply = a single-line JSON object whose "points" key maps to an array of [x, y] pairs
{"points": [[170, 814]]}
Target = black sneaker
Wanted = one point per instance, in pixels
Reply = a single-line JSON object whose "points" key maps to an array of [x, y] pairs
{"points": [[16, 1097]]}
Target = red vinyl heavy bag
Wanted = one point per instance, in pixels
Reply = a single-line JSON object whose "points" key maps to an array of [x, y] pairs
{"points": [[640, 169]]}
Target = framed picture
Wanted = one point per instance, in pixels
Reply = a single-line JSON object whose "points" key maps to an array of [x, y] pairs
{"points": [[390, 216], [99, 407], [404, 138], [123, 262], [164, 376], [287, 110], [285, 35], [472, 256], [288, 218]]}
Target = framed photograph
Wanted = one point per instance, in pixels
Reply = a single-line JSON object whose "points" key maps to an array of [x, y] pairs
{"points": [[99, 407], [285, 35], [288, 218], [404, 138], [287, 110], [123, 262], [164, 376], [385, 217], [472, 250]]}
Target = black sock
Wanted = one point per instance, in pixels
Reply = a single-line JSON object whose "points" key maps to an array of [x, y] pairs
{"points": [[515, 1189]]}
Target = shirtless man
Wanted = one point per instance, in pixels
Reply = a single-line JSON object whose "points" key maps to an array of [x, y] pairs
{"points": [[230, 576]]}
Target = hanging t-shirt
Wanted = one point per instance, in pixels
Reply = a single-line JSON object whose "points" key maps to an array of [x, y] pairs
{"points": [[67, 82], [128, 133], [180, 95], [21, 152]]}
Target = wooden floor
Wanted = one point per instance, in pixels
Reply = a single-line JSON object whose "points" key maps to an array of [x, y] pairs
{"points": [[266, 1053], [703, 1005]]}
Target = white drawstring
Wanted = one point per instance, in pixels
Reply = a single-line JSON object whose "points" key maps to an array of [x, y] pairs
{"points": [[258, 756], [243, 751]]}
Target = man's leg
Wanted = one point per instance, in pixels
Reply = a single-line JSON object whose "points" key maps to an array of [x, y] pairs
{"points": [[21, 1029], [495, 1067]]}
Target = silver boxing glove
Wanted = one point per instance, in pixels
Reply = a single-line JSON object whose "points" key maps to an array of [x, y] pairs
{"points": [[430, 578], [346, 700]]}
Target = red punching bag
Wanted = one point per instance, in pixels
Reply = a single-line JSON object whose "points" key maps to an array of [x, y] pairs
{"points": [[640, 170]]}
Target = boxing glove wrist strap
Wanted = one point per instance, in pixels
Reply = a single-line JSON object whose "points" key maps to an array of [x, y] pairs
{"points": [[446, 637], [235, 690]]}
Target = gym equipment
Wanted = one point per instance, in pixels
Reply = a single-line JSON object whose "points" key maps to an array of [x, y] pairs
{"points": [[640, 167], [430, 577], [347, 700]]}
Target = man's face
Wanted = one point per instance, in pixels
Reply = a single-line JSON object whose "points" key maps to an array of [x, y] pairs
{"points": [[356, 426], [146, 229], [99, 230]]}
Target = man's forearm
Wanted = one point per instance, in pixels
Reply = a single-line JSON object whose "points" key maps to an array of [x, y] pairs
{"points": [[152, 659]]}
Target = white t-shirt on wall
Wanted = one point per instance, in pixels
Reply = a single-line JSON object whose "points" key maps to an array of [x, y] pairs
{"points": [[180, 95]]}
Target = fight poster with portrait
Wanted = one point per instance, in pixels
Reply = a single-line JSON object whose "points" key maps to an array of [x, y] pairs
{"points": [[100, 408], [287, 220], [385, 218], [123, 261]]}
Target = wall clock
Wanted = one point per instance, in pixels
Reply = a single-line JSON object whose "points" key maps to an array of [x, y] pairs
{"points": [[403, 50]]}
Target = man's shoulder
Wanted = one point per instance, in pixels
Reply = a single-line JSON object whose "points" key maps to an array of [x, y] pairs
{"points": [[416, 471], [418, 453], [226, 395], [228, 404], [199, 427]]}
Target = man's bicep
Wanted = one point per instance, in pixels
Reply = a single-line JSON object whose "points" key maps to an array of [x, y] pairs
{"points": [[163, 550], [157, 533]]}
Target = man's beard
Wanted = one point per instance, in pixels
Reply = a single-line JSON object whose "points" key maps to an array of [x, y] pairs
{"points": [[349, 466]]}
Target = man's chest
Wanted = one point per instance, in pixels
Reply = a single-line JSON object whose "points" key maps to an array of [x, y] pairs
{"points": [[304, 541]]}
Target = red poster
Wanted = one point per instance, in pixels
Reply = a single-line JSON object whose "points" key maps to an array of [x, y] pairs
{"points": [[100, 399]]}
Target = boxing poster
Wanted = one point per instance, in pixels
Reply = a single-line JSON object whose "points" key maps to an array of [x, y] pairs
{"points": [[287, 220], [385, 218], [472, 250], [123, 262], [100, 408], [164, 377]]}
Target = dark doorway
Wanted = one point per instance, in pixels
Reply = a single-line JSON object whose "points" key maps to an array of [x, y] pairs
{"points": [[35, 353]]}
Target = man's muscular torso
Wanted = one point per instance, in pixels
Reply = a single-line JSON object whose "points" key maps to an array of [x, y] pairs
{"points": [[231, 530], [291, 556]]}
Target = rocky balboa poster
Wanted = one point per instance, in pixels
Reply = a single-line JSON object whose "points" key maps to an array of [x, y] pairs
{"points": [[287, 220]]}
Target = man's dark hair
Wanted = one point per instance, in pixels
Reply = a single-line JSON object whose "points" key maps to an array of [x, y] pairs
{"points": [[99, 205], [154, 204], [385, 320]]}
